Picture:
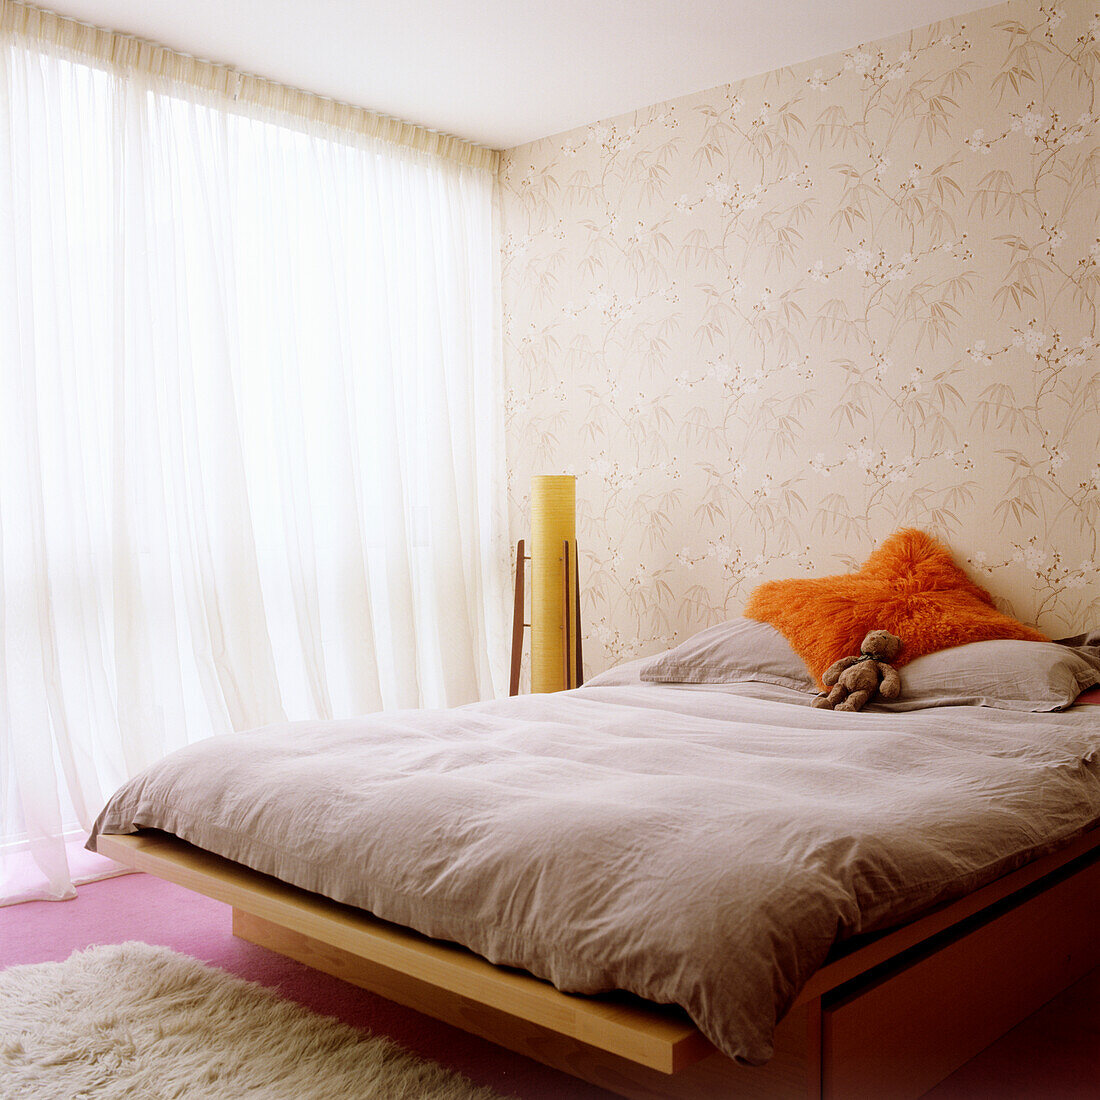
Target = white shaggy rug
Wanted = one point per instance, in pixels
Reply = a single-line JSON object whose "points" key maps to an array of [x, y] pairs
{"points": [[144, 1023]]}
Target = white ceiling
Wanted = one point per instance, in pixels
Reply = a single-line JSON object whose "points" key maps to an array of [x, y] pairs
{"points": [[504, 72]]}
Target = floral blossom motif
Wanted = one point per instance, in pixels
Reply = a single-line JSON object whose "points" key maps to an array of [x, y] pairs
{"points": [[769, 323]]}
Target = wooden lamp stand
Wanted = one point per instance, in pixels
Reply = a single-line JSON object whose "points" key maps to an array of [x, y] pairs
{"points": [[571, 638]]}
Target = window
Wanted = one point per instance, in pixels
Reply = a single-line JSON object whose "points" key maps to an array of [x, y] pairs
{"points": [[250, 455]]}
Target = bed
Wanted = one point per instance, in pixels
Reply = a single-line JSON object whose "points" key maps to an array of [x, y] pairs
{"points": [[667, 888]]}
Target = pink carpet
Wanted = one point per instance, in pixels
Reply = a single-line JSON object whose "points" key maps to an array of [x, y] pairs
{"points": [[139, 907], [1054, 1055], [22, 880]]}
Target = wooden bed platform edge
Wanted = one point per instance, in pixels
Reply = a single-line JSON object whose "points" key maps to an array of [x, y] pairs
{"points": [[890, 1015]]}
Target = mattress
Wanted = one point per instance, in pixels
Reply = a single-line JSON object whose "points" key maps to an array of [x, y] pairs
{"points": [[698, 845]]}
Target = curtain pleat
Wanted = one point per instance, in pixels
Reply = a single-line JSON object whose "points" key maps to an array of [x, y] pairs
{"points": [[250, 427], [234, 89]]}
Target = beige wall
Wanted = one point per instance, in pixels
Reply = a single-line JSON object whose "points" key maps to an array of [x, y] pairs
{"points": [[769, 323]]}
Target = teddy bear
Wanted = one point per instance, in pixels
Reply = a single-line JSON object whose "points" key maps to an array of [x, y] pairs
{"points": [[854, 680]]}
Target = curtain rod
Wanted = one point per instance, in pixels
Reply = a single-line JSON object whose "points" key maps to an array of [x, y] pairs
{"points": [[127, 53]]}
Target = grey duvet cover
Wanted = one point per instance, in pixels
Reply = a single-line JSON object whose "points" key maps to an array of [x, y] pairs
{"points": [[698, 845]]}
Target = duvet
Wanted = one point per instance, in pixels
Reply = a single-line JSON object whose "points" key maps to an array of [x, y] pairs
{"points": [[698, 845]]}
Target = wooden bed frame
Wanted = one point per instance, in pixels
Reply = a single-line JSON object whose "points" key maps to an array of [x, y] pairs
{"points": [[888, 1016]]}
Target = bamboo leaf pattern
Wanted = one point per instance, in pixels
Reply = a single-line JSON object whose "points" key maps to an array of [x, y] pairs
{"points": [[769, 323]]}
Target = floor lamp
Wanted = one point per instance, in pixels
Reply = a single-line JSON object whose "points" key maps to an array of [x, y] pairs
{"points": [[556, 660]]}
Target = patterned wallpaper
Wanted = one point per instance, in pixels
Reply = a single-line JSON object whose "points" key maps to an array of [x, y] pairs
{"points": [[769, 323]]}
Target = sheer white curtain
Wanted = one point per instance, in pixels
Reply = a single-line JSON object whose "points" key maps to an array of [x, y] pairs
{"points": [[250, 449]]}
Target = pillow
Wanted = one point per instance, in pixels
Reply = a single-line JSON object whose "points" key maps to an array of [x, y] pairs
{"points": [[731, 653], [618, 675], [1089, 638], [909, 586], [1008, 675]]}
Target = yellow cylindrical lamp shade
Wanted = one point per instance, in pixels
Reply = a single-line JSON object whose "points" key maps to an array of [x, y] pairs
{"points": [[553, 617]]}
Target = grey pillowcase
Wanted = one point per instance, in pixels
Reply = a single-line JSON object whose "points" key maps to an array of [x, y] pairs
{"points": [[1008, 675], [731, 653], [1004, 674], [1090, 638]]}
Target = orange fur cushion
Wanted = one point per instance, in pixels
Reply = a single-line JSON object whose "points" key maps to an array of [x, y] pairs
{"points": [[909, 586]]}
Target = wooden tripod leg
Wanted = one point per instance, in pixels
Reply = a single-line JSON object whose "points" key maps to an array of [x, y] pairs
{"points": [[577, 609], [566, 636], [574, 674], [517, 620]]}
